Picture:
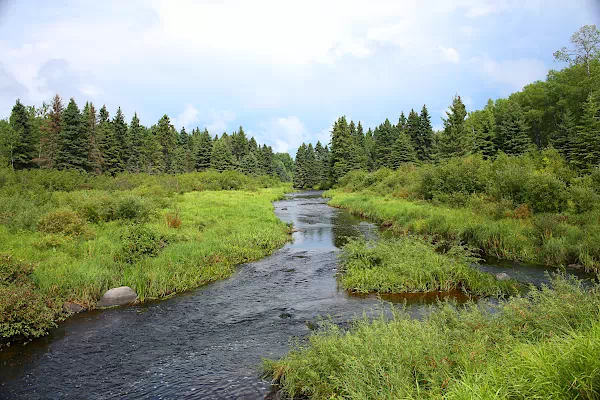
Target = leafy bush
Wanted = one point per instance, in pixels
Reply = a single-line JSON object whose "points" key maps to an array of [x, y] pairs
{"points": [[24, 312], [546, 193], [584, 198], [140, 241], [131, 208], [64, 221]]}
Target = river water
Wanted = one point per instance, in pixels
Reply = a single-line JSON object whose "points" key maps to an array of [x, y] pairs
{"points": [[207, 343]]}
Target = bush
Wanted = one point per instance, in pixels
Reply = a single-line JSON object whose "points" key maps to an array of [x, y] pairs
{"points": [[584, 198], [64, 221], [173, 220], [546, 193], [131, 208], [140, 241], [24, 312]]}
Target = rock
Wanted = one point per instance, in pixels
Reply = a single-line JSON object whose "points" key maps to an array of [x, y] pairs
{"points": [[284, 209], [575, 266], [72, 308], [503, 276], [120, 296], [285, 315]]}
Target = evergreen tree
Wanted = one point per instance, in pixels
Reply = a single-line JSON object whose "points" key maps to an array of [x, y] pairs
{"points": [[221, 158], [587, 142], [513, 130], [385, 136], [481, 126], [249, 164], [50, 132], [119, 127], [281, 172], [403, 150], [203, 151], [311, 178], [23, 152], [370, 150], [239, 144], [267, 161], [425, 136], [136, 143], [300, 174], [108, 144], [167, 137], [402, 123], [564, 139], [90, 123], [413, 126], [322, 164], [341, 149], [453, 141], [72, 143]]}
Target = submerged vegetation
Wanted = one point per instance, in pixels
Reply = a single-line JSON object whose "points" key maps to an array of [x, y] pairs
{"points": [[80, 235], [409, 265], [541, 346]]}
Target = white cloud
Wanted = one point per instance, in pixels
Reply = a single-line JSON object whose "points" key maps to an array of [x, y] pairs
{"points": [[450, 54], [219, 121], [514, 73], [90, 90], [187, 118]]}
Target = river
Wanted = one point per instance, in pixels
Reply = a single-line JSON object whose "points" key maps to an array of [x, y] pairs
{"points": [[207, 343]]}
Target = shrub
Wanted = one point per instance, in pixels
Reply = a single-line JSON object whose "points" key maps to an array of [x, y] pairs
{"points": [[131, 208], [173, 220], [64, 221], [546, 193], [140, 241], [584, 198]]}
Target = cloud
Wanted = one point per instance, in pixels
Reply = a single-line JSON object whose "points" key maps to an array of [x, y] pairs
{"points": [[9, 86], [514, 73], [90, 90], [450, 54], [219, 121], [187, 118]]}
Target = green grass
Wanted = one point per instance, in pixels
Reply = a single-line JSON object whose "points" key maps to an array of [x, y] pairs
{"points": [[549, 239], [541, 346], [409, 265]]}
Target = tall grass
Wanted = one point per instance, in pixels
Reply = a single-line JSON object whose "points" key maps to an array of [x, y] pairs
{"points": [[544, 345], [408, 265]]}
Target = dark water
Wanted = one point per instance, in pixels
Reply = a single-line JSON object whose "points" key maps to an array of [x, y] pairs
{"points": [[207, 343]]}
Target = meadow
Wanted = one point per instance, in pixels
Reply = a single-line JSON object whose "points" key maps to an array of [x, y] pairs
{"points": [[67, 236], [542, 346]]}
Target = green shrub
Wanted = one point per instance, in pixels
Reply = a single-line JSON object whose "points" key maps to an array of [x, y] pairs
{"points": [[131, 208], [584, 198], [63, 221], [140, 241], [546, 193]]}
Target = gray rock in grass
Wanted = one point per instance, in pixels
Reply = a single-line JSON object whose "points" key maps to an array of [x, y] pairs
{"points": [[120, 296], [72, 308], [502, 276]]}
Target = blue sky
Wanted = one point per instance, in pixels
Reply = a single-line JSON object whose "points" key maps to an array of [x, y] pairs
{"points": [[284, 69]]}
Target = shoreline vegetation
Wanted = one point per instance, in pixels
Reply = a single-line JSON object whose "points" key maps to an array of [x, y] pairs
{"points": [[69, 237]]}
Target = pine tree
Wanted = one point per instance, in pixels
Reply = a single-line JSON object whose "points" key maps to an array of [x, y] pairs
{"points": [[167, 137], [90, 122], [108, 144], [135, 137], [72, 143], [119, 127], [385, 136], [239, 144], [564, 138], [221, 158], [301, 172], [267, 161], [513, 130], [413, 126], [453, 141], [403, 151], [341, 149], [311, 178], [587, 142], [370, 150], [425, 136], [322, 163], [23, 152], [203, 151], [402, 123], [480, 125], [249, 164], [50, 132]]}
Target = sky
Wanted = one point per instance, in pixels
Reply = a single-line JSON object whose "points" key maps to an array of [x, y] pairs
{"points": [[283, 69]]}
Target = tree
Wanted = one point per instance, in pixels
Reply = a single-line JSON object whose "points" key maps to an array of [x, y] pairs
{"points": [[221, 158], [587, 142], [90, 127], [403, 150], [300, 175], [249, 164], [512, 130], [50, 132], [385, 136], [453, 140], [341, 149], [425, 136], [8, 142], [23, 151], [120, 131], [108, 144], [72, 143], [239, 144], [564, 139], [586, 47], [322, 164], [167, 137], [481, 126], [203, 147], [136, 143], [266, 161]]}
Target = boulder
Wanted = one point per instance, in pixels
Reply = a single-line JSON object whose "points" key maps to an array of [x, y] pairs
{"points": [[503, 276], [72, 308], [120, 296]]}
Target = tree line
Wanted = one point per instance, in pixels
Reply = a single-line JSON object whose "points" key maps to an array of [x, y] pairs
{"points": [[55, 137], [562, 112]]}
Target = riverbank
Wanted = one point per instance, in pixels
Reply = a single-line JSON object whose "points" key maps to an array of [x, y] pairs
{"points": [[544, 345], [158, 236]]}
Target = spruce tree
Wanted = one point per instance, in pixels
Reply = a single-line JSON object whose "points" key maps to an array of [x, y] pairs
{"points": [[203, 151], [50, 132], [342, 146], [587, 142], [453, 140], [402, 122], [300, 170], [221, 158], [267, 161], [136, 143], [239, 144], [311, 167], [72, 152], [23, 152], [425, 136], [167, 137], [249, 164], [403, 151], [119, 127], [108, 144], [513, 130], [385, 136], [90, 122], [564, 138]]}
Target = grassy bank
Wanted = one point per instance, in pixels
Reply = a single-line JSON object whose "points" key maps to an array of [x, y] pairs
{"points": [[409, 265], [542, 346], [157, 235], [530, 207]]}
